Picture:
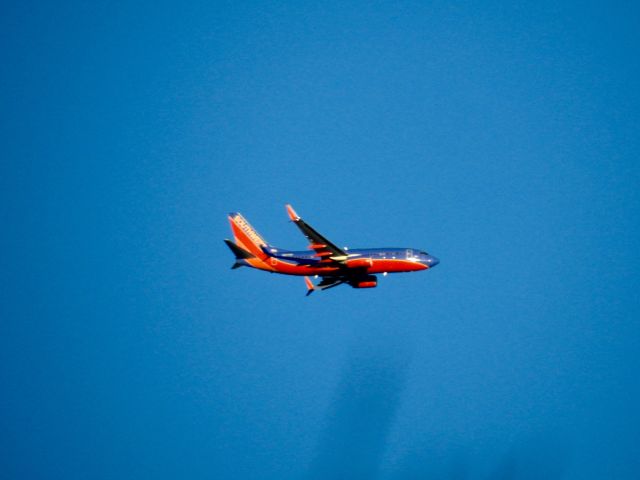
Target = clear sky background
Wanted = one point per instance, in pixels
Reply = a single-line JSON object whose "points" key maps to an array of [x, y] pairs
{"points": [[503, 139]]}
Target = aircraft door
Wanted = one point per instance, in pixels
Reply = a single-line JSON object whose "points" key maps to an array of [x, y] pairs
{"points": [[409, 253]]}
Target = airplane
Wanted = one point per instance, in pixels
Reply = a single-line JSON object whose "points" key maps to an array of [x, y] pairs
{"points": [[334, 265]]}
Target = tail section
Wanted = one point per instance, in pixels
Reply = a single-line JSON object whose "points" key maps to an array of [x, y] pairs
{"points": [[246, 237], [240, 253]]}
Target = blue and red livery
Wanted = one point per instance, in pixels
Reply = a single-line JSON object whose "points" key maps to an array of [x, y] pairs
{"points": [[334, 265]]}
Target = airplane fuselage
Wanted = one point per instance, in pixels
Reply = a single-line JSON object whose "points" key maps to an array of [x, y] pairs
{"points": [[356, 267], [369, 260]]}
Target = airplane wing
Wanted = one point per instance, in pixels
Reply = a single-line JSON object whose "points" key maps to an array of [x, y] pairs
{"points": [[355, 279], [324, 284], [327, 251], [329, 282]]}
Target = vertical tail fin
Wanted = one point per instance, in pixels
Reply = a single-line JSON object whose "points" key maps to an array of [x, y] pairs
{"points": [[246, 237]]}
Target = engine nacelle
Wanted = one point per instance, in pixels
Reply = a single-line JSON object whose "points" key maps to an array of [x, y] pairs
{"points": [[370, 281]]}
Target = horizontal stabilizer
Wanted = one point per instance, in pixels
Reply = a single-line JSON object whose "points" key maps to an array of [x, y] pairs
{"points": [[240, 253]]}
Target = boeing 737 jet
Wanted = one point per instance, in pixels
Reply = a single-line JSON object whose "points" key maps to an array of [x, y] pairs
{"points": [[334, 265]]}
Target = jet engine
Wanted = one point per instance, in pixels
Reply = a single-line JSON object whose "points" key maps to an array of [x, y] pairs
{"points": [[370, 281]]}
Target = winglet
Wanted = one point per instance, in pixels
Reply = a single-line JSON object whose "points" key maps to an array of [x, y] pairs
{"points": [[310, 287], [292, 213]]}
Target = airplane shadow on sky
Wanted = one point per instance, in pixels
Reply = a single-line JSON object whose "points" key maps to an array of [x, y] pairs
{"points": [[362, 413], [360, 416]]}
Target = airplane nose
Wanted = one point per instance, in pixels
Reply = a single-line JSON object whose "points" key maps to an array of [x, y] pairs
{"points": [[432, 261]]}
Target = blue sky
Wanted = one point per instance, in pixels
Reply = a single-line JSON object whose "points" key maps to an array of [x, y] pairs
{"points": [[501, 138]]}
